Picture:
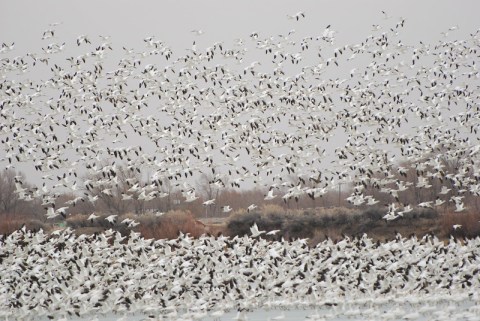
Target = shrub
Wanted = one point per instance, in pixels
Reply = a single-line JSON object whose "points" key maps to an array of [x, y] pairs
{"points": [[170, 225], [374, 214], [240, 222], [79, 221], [151, 226], [298, 226], [292, 223], [9, 223], [470, 226]]}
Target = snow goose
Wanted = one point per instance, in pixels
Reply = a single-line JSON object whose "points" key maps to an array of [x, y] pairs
{"points": [[254, 230], [270, 196]]}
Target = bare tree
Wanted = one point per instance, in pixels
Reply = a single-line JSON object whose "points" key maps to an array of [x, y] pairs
{"points": [[167, 196], [114, 193], [210, 187], [16, 202], [10, 201], [8, 197]]}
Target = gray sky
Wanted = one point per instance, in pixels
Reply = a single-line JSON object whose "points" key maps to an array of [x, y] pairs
{"points": [[128, 23]]}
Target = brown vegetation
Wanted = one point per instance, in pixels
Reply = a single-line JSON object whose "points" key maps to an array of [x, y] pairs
{"points": [[170, 225], [11, 222], [470, 224], [167, 213], [320, 223], [167, 226]]}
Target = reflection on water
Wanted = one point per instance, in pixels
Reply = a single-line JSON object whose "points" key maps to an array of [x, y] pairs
{"points": [[404, 309]]}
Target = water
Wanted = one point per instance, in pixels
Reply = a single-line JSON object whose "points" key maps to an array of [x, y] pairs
{"points": [[404, 309]]}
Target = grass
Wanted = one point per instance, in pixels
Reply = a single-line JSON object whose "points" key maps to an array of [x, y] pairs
{"points": [[13, 222], [168, 225]]}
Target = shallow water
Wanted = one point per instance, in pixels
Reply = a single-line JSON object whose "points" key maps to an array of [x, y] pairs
{"points": [[454, 309]]}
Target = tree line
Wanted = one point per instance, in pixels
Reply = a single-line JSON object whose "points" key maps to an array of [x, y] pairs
{"points": [[132, 194]]}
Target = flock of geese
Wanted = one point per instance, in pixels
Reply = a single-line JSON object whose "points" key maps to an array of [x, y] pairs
{"points": [[64, 275], [271, 112], [295, 115]]}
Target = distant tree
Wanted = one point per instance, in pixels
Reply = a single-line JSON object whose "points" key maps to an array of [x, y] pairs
{"points": [[167, 196], [8, 198], [112, 192], [13, 202], [210, 187]]}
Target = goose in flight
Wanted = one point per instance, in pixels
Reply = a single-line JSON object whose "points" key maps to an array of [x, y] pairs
{"points": [[209, 202], [191, 197], [297, 16], [272, 232], [270, 196], [51, 213], [406, 209], [444, 190], [92, 217], [82, 39], [385, 15], [198, 32], [254, 230], [112, 219], [460, 207]]}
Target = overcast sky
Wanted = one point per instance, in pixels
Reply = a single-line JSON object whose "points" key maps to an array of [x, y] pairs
{"points": [[129, 22], [172, 21]]}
